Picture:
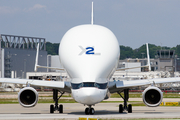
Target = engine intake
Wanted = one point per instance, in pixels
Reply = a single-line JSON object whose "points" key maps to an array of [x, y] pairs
{"points": [[152, 96], [28, 97]]}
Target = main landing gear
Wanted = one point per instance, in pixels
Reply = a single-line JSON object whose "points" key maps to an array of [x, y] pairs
{"points": [[56, 98], [125, 98], [89, 110]]}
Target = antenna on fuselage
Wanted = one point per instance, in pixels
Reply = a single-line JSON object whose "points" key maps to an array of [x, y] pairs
{"points": [[92, 15]]}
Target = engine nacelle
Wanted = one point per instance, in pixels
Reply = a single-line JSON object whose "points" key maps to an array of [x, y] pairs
{"points": [[28, 97], [152, 96]]}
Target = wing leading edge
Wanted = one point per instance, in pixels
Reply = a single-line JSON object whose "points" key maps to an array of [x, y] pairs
{"points": [[116, 86], [63, 86]]}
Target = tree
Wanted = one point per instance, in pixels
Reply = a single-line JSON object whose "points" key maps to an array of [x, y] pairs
{"points": [[125, 52], [52, 49], [178, 50]]}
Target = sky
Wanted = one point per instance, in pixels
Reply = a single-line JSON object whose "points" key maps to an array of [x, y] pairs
{"points": [[134, 22]]}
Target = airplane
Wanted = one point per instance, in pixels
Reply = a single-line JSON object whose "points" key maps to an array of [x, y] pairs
{"points": [[89, 54]]}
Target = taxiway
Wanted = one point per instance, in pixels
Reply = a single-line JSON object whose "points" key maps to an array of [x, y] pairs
{"points": [[75, 110]]}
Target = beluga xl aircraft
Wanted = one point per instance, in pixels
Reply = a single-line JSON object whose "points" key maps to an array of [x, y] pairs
{"points": [[89, 54]]}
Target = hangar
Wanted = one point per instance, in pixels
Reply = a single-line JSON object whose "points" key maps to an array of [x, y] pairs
{"points": [[17, 55]]}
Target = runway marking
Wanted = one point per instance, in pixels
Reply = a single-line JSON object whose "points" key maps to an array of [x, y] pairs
{"points": [[171, 103], [92, 119], [82, 118], [162, 103]]}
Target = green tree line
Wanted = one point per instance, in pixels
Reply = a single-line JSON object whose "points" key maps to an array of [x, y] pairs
{"points": [[52, 48], [128, 52], [125, 51]]}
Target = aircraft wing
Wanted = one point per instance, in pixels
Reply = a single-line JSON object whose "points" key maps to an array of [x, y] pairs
{"points": [[115, 86], [63, 86]]}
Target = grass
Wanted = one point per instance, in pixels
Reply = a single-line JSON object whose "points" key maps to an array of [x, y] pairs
{"points": [[68, 95], [133, 103], [41, 100], [139, 95], [46, 97], [15, 101], [61, 101], [131, 95], [114, 95], [9, 101]]}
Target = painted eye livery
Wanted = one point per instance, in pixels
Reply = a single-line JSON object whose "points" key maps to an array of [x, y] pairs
{"points": [[88, 51]]}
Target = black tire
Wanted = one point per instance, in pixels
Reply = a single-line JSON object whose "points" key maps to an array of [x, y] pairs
{"points": [[129, 108], [87, 111], [120, 108], [92, 111], [51, 108], [60, 108]]}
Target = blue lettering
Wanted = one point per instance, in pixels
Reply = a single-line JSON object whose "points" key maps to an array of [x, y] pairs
{"points": [[90, 50]]}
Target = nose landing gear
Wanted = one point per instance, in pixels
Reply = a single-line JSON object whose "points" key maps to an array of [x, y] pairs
{"points": [[89, 110]]}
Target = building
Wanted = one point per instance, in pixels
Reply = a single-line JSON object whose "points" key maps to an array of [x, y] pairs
{"points": [[165, 61], [141, 62], [17, 57], [177, 64], [18, 53], [53, 61]]}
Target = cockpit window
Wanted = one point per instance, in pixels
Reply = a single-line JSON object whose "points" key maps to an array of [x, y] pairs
{"points": [[89, 84]]}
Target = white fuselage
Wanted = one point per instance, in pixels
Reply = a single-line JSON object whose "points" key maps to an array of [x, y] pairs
{"points": [[89, 54]]}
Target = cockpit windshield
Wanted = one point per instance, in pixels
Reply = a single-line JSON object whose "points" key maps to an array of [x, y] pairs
{"points": [[89, 84]]}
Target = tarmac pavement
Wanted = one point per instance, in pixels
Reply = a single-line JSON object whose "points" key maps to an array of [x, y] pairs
{"points": [[73, 111]]}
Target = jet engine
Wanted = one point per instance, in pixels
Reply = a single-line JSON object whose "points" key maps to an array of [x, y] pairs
{"points": [[152, 96], [28, 97]]}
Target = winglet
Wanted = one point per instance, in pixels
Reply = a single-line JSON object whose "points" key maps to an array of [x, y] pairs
{"points": [[36, 62], [92, 19], [148, 59]]}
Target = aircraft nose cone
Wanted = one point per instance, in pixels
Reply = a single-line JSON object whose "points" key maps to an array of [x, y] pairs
{"points": [[89, 96]]}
